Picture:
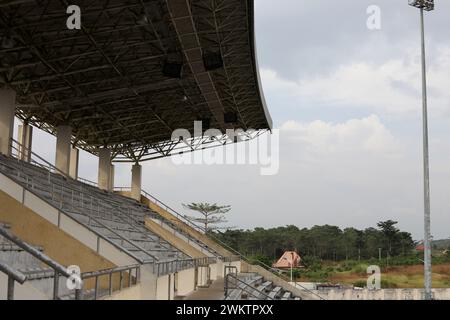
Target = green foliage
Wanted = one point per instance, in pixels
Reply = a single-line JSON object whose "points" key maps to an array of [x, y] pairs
{"points": [[322, 243], [210, 214], [257, 258], [360, 284]]}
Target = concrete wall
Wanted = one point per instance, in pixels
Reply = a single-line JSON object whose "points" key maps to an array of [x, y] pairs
{"points": [[216, 271], [186, 282], [203, 276], [383, 294], [165, 287]]}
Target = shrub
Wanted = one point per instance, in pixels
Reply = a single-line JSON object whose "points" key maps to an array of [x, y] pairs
{"points": [[360, 284]]}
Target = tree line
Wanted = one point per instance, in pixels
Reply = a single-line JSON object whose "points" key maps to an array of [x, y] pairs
{"points": [[323, 242]]}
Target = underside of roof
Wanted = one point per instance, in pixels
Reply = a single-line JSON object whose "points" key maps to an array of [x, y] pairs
{"points": [[106, 80]]}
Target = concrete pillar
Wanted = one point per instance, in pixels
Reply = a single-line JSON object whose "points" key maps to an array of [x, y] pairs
{"points": [[7, 109], [73, 166], [25, 138], [104, 169], [111, 178], [136, 182], [63, 147]]}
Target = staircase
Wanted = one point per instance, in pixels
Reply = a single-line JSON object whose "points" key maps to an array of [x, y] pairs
{"points": [[252, 286]]}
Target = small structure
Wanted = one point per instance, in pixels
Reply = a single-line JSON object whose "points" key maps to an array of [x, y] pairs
{"points": [[420, 247], [288, 259]]}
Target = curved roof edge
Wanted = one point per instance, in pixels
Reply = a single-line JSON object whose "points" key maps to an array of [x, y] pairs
{"points": [[251, 15]]}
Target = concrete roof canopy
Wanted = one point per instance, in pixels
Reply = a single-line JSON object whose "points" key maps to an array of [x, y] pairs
{"points": [[135, 71]]}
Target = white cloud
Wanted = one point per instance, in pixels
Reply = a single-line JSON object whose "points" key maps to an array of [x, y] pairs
{"points": [[367, 134], [392, 88]]}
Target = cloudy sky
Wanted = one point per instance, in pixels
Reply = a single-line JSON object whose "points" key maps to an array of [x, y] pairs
{"points": [[347, 102]]}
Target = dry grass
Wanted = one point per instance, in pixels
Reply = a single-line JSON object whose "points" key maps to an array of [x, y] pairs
{"points": [[401, 277]]}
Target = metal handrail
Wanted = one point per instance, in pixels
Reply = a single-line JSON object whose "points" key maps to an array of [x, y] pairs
{"points": [[166, 267], [13, 276], [90, 217], [253, 289], [58, 268], [112, 203], [34, 252], [165, 207], [110, 272], [48, 164]]}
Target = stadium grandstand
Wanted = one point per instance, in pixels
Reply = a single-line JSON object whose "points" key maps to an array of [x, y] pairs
{"points": [[118, 87]]}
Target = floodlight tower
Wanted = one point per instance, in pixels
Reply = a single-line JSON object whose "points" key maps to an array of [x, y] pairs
{"points": [[425, 5]]}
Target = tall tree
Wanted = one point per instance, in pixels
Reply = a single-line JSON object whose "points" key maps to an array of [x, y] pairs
{"points": [[211, 215], [390, 232]]}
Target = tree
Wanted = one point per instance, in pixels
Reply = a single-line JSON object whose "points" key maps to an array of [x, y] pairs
{"points": [[390, 232], [212, 214]]}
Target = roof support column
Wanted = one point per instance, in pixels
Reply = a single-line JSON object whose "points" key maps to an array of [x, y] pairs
{"points": [[63, 147], [25, 137], [7, 110], [136, 181], [111, 178], [73, 166], [104, 169]]}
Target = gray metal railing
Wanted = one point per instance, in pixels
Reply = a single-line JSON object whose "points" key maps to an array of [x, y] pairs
{"points": [[97, 206], [13, 276], [96, 275], [233, 282], [165, 207], [166, 267], [59, 270]]}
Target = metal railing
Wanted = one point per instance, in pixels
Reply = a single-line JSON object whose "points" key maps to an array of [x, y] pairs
{"points": [[232, 282], [165, 207], [167, 267], [96, 275], [13, 276], [97, 206], [59, 270]]}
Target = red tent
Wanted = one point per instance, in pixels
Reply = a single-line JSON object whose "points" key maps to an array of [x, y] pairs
{"points": [[287, 259]]}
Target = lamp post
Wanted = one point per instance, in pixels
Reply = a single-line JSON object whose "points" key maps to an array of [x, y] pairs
{"points": [[290, 265], [425, 5]]}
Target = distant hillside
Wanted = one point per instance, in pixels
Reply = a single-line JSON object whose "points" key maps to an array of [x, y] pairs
{"points": [[441, 244]]}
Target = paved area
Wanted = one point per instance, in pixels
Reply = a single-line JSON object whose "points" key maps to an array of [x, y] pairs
{"points": [[213, 292]]}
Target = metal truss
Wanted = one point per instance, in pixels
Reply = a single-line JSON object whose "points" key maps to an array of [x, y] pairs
{"points": [[178, 147], [106, 79]]}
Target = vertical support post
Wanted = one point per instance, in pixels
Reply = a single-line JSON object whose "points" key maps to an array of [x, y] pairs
{"points": [[10, 294], [56, 286], [136, 182], [63, 147], [96, 288], [111, 177], [104, 168], [110, 284], [25, 138], [426, 170], [7, 110], [74, 160]]}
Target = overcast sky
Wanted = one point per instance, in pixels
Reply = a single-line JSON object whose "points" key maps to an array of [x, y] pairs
{"points": [[347, 101]]}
